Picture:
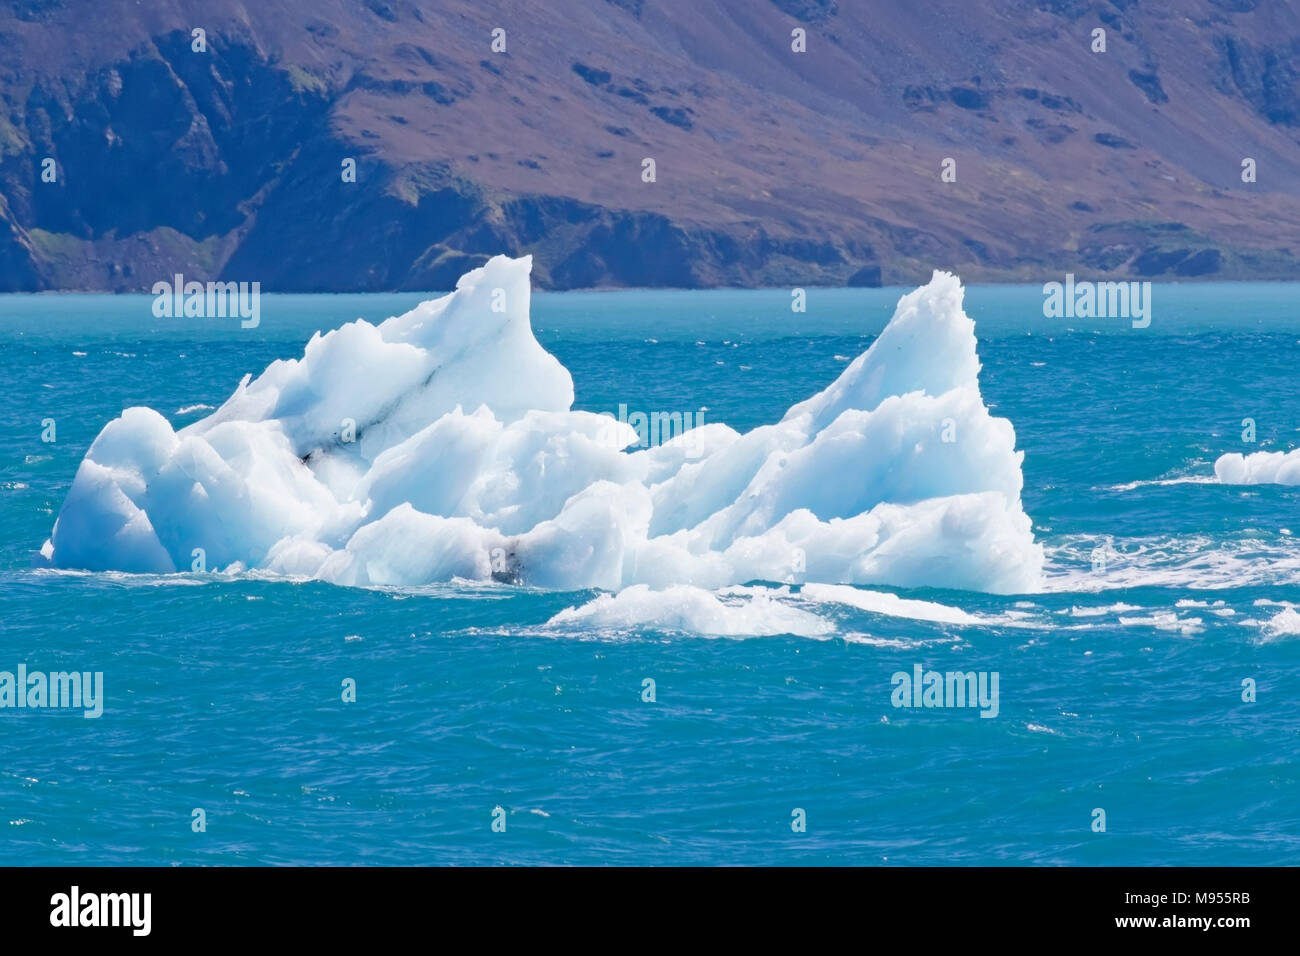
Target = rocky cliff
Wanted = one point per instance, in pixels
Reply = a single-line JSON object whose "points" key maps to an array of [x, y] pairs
{"points": [[772, 167]]}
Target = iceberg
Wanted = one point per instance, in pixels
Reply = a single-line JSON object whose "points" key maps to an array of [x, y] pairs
{"points": [[1259, 468], [441, 444]]}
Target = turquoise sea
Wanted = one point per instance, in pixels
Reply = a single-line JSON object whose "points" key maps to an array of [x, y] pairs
{"points": [[1121, 687]]}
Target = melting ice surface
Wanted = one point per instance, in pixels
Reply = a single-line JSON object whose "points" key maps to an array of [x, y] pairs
{"points": [[441, 444], [1259, 468]]}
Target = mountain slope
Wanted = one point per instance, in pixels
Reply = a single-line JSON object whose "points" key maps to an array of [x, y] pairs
{"points": [[772, 167]]}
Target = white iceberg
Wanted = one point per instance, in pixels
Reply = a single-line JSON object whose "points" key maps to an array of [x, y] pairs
{"points": [[1259, 468], [441, 444]]}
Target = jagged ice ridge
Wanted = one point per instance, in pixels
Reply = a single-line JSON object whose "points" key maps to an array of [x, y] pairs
{"points": [[468, 462]]}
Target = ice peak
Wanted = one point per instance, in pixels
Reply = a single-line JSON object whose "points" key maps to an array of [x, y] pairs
{"points": [[441, 443]]}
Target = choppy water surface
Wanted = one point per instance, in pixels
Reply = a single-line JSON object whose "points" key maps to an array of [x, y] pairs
{"points": [[1120, 684]]}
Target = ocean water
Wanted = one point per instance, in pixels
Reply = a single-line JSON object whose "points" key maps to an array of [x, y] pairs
{"points": [[1120, 686]]}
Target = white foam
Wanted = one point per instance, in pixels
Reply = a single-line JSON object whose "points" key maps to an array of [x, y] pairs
{"points": [[468, 462], [1286, 623], [1164, 482], [1166, 621], [1103, 610], [1042, 729], [1194, 561]]}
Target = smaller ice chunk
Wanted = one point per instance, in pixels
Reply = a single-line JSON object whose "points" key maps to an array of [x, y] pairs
{"points": [[879, 602], [1259, 468], [739, 612]]}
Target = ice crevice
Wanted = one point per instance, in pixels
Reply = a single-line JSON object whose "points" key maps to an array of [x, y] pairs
{"points": [[469, 462]]}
